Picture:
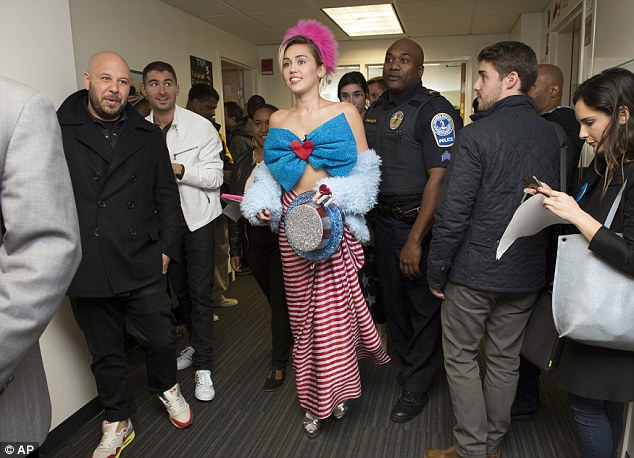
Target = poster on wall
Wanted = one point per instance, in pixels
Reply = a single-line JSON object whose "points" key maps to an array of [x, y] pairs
{"points": [[201, 70]]}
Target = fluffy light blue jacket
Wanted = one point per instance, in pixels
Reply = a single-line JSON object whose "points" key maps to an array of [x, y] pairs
{"points": [[355, 194]]}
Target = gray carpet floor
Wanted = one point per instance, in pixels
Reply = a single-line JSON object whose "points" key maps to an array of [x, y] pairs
{"points": [[244, 421]]}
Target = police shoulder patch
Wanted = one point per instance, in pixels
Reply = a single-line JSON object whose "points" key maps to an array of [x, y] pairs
{"points": [[443, 129]]}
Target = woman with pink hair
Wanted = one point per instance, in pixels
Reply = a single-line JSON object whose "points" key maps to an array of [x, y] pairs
{"points": [[320, 146]]}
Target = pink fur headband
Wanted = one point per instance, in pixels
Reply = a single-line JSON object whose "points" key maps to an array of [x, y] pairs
{"points": [[321, 36]]}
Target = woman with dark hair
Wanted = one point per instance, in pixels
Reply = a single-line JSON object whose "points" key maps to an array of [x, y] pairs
{"points": [[353, 88], [600, 380], [260, 246], [319, 146], [253, 104]]}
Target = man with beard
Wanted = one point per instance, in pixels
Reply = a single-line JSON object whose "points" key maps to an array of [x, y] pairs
{"points": [[413, 129], [129, 212], [484, 297]]}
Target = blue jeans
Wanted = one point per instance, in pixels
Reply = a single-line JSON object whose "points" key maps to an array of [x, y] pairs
{"points": [[599, 426]]}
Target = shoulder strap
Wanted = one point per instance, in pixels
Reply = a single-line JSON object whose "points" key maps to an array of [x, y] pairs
{"points": [[563, 147], [614, 207], [421, 98]]}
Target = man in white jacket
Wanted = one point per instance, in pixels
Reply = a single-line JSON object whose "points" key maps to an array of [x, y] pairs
{"points": [[195, 149]]}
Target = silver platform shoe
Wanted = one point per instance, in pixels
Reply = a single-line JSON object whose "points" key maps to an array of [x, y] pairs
{"points": [[341, 410], [312, 426]]}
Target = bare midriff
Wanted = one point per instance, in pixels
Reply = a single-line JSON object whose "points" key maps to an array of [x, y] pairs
{"points": [[309, 179]]}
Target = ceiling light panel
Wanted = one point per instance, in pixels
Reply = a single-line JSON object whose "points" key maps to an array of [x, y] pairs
{"points": [[359, 21]]}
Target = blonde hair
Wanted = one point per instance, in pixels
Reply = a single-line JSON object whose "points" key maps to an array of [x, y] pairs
{"points": [[298, 40]]}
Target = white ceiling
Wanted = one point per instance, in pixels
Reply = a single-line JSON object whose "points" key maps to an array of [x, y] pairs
{"points": [[264, 22]]}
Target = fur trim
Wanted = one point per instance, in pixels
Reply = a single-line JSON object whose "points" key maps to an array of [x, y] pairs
{"points": [[321, 36], [356, 193], [266, 193], [358, 227]]}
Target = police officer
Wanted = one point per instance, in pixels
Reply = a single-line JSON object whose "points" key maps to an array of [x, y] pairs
{"points": [[412, 128]]}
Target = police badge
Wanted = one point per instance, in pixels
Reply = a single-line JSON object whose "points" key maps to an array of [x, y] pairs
{"points": [[396, 120], [443, 129]]}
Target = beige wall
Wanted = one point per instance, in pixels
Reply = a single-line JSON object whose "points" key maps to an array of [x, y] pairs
{"points": [[614, 39], [146, 30]]}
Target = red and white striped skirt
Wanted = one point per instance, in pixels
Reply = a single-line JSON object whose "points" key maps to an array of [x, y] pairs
{"points": [[330, 321]]}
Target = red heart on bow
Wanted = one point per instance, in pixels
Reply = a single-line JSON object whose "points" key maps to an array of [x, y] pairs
{"points": [[302, 150]]}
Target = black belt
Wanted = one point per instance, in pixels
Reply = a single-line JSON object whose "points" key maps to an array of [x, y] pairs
{"points": [[407, 212]]}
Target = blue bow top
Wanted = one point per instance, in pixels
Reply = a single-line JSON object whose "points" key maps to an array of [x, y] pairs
{"points": [[334, 149]]}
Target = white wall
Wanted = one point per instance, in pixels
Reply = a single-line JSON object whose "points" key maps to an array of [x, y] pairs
{"points": [[527, 29], [371, 52], [67, 364]]}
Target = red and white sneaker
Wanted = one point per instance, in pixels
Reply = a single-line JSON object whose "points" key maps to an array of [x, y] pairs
{"points": [[113, 442], [178, 409]]}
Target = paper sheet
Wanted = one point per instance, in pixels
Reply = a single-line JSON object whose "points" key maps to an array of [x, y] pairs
{"points": [[529, 218]]}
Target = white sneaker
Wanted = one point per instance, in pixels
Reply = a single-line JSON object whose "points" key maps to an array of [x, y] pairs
{"points": [[178, 409], [226, 302], [204, 386], [184, 360], [113, 442]]}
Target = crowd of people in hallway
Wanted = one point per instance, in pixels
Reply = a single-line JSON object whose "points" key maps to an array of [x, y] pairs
{"points": [[412, 202]]}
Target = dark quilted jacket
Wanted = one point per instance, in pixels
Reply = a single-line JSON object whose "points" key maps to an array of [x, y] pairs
{"points": [[482, 190]]}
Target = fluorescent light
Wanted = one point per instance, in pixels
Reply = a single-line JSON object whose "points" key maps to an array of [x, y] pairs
{"points": [[359, 21]]}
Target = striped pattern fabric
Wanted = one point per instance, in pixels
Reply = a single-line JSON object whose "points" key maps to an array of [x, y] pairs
{"points": [[330, 321]]}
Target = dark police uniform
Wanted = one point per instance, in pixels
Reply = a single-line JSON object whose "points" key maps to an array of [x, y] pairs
{"points": [[412, 133]]}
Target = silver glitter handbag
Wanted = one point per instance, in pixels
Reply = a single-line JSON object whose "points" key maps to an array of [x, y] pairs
{"points": [[593, 302]]}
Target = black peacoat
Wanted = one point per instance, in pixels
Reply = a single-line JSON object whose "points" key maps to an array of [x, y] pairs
{"points": [[127, 201]]}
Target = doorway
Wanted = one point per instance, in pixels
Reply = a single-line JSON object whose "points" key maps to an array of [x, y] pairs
{"points": [[566, 43], [448, 77]]}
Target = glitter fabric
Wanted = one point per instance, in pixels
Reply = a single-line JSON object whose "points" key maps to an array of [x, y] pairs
{"points": [[314, 232]]}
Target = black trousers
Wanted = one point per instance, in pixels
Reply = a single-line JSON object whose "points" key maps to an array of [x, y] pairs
{"points": [[412, 312], [263, 253], [527, 395], [192, 277], [146, 315]]}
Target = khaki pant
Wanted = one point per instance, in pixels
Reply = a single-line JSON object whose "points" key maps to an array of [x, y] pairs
{"points": [[221, 252], [482, 409]]}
